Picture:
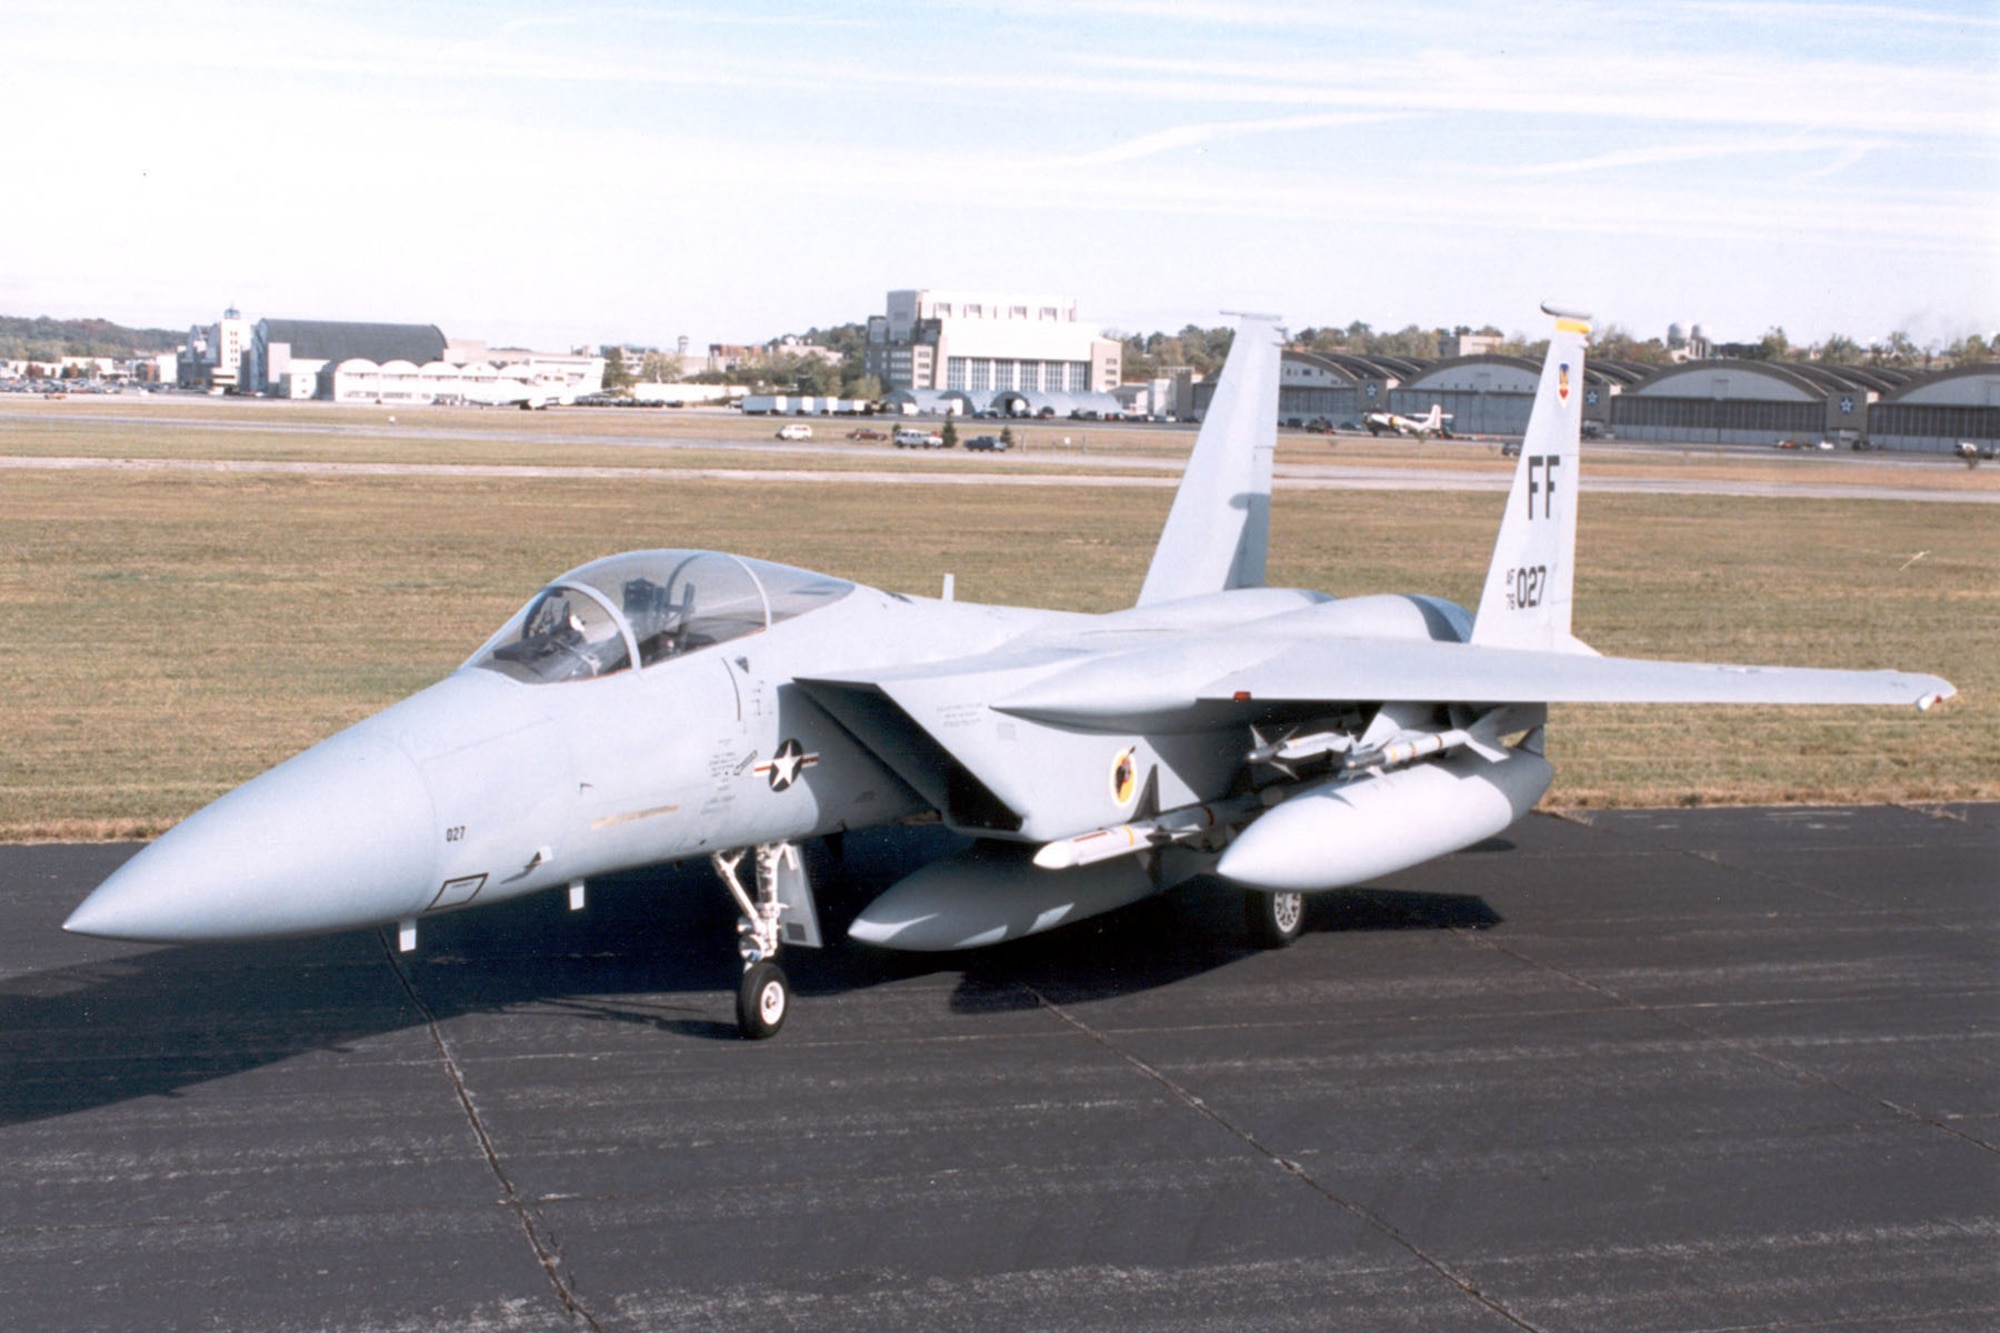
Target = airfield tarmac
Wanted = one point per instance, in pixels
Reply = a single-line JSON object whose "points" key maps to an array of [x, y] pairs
{"points": [[1291, 476], [1654, 1069]]}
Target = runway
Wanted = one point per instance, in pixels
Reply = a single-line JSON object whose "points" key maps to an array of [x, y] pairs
{"points": [[1643, 1070], [1137, 472]]}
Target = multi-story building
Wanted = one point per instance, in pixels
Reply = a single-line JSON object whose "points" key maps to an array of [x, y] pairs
{"points": [[213, 356], [983, 342]]}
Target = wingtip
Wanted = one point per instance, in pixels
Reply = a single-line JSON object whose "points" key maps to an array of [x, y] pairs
{"points": [[1932, 698]]}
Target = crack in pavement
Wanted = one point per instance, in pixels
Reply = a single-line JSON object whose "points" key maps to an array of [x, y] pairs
{"points": [[545, 1254], [1465, 1285]]}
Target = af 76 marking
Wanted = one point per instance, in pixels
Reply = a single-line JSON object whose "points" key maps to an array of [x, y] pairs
{"points": [[1525, 587]]}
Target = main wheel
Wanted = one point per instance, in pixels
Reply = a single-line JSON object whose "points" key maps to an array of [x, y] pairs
{"points": [[762, 1001], [1274, 919]]}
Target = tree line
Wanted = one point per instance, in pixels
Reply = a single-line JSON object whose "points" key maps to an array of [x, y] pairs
{"points": [[777, 369], [1613, 342], [46, 339]]}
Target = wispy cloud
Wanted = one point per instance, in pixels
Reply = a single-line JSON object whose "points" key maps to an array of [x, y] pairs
{"points": [[1200, 134], [1713, 138], [1846, 153]]}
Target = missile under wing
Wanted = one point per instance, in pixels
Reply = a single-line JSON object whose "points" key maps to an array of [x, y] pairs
{"points": [[669, 704]]}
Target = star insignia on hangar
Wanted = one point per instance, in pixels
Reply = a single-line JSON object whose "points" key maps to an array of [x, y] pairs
{"points": [[784, 767]]}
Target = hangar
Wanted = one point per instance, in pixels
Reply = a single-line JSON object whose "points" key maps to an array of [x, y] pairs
{"points": [[1492, 394], [1725, 401], [1487, 394], [1330, 386], [1934, 412], [285, 356], [1752, 402]]}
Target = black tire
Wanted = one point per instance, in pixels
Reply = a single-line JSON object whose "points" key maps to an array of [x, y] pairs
{"points": [[1274, 919], [762, 1001]]}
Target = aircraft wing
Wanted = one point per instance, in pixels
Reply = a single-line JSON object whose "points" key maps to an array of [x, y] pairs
{"points": [[1434, 672], [1168, 687]]}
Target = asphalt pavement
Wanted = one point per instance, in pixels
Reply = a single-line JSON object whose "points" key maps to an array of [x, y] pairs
{"points": [[1643, 1070]]}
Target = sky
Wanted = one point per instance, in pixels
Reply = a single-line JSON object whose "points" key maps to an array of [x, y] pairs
{"points": [[554, 175]]}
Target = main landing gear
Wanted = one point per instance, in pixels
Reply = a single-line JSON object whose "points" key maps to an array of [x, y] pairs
{"points": [[1274, 919], [762, 1001], [764, 997]]}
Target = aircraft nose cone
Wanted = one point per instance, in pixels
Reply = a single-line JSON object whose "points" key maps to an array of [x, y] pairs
{"points": [[341, 836]]}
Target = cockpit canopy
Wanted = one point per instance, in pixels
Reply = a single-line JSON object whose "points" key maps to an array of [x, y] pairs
{"points": [[648, 607]]}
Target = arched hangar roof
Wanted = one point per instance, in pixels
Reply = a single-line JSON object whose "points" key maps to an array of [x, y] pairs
{"points": [[340, 340], [1733, 379], [1486, 372], [1850, 379], [1623, 373], [1494, 372], [1308, 367], [1964, 386], [930, 402], [1357, 368]]}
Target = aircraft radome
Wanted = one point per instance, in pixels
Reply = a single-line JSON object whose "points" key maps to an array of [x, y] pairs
{"points": [[667, 704]]}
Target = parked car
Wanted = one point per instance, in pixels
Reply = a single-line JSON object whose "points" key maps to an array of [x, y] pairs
{"points": [[992, 442], [913, 437], [866, 433], [1788, 444], [798, 430]]}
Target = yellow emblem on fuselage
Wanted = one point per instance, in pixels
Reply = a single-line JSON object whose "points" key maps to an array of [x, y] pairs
{"points": [[1124, 778]]}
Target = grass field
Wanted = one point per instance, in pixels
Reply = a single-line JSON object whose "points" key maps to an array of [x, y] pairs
{"points": [[165, 636]]}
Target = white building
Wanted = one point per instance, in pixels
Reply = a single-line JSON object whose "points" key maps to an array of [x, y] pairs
{"points": [[513, 376], [983, 342], [213, 356]]}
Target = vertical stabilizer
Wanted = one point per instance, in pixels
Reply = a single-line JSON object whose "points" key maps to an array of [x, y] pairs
{"points": [[1528, 586], [1220, 524]]}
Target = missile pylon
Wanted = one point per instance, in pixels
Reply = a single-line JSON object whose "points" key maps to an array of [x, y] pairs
{"points": [[1178, 825]]}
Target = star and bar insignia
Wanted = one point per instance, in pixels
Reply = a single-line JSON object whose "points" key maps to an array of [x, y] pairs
{"points": [[784, 767]]}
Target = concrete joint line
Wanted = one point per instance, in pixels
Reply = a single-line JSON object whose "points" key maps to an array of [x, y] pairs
{"points": [[545, 1254], [1291, 1168]]}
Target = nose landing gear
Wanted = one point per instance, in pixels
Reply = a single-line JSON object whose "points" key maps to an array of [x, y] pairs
{"points": [[763, 998]]}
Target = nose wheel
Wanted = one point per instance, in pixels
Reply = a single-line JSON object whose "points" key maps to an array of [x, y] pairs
{"points": [[762, 1001], [764, 996]]}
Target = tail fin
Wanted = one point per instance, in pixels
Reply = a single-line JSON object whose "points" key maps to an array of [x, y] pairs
{"points": [[1435, 419], [1528, 586], [1220, 524]]}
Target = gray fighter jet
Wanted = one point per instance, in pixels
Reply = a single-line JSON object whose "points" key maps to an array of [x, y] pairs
{"points": [[667, 704]]}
